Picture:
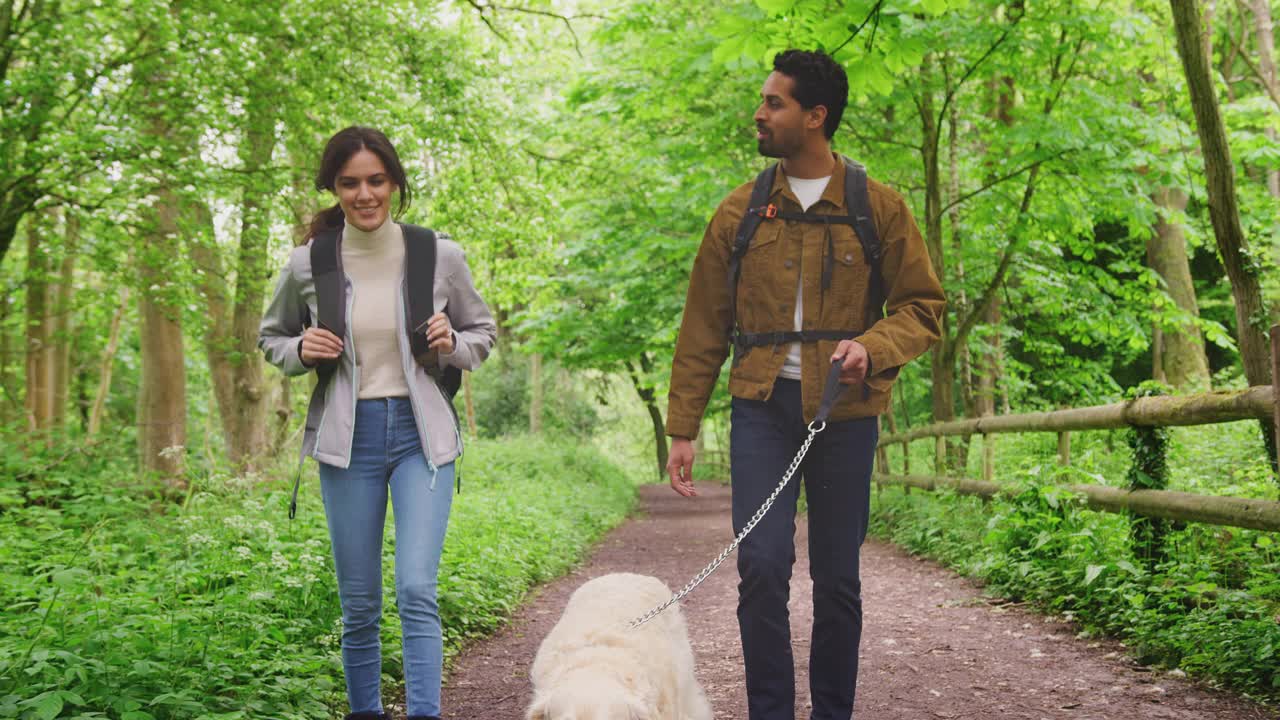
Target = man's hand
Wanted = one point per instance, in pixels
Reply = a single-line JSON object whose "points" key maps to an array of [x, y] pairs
{"points": [[680, 466], [854, 361]]}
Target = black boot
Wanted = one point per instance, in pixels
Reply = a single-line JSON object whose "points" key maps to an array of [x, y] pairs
{"points": [[368, 716]]}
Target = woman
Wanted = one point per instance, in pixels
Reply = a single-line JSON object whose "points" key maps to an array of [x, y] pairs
{"points": [[380, 423]]}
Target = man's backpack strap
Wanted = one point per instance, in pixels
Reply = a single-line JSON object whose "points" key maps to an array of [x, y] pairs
{"points": [[751, 219], [420, 253], [857, 201]]}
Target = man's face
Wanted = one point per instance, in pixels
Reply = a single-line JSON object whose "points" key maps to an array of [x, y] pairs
{"points": [[781, 123]]}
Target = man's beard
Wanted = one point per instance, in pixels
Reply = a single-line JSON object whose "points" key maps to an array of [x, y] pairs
{"points": [[772, 146]]}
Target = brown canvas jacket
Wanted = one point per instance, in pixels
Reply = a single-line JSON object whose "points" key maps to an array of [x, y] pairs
{"points": [[780, 251]]}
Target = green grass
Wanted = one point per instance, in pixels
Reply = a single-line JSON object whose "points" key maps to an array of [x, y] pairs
{"points": [[119, 604]]}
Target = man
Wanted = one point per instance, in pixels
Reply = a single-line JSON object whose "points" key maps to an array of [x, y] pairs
{"points": [[801, 274]]}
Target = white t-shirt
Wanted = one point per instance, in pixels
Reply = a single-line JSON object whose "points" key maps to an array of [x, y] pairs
{"points": [[808, 191]]}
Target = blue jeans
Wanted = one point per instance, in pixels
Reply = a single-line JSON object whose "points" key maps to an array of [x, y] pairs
{"points": [[386, 453], [764, 438]]}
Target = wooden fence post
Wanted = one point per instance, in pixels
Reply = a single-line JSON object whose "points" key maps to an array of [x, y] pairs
{"points": [[882, 462], [1064, 448], [940, 455], [906, 463], [1149, 471], [1275, 382], [988, 457]]}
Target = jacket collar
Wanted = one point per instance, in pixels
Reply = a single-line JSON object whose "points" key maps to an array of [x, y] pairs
{"points": [[834, 193]]}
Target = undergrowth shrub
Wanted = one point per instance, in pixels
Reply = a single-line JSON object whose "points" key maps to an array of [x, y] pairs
{"points": [[1210, 607], [122, 604]]}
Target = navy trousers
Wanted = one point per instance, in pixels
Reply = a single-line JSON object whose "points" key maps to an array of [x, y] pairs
{"points": [[764, 438]]}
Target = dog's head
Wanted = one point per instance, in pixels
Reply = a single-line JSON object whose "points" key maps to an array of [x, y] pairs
{"points": [[589, 698]]}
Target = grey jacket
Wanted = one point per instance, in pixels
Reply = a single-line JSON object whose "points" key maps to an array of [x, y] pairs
{"points": [[330, 426]]}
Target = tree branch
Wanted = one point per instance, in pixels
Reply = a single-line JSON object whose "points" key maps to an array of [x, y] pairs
{"points": [[942, 112], [979, 307], [1257, 75], [566, 19], [869, 141], [485, 19], [873, 13], [1002, 178]]}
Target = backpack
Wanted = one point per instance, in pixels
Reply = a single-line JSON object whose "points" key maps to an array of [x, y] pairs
{"points": [[759, 209], [331, 314], [420, 268]]}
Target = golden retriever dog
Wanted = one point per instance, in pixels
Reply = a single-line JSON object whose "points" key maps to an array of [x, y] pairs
{"points": [[593, 666]]}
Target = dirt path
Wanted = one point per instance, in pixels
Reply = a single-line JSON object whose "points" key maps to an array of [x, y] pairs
{"points": [[933, 647]]}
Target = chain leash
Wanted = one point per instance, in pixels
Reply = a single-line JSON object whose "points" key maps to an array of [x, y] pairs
{"points": [[814, 429]]}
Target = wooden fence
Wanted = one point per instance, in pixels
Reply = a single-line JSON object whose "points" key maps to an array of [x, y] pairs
{"points": [[1255, 403]]}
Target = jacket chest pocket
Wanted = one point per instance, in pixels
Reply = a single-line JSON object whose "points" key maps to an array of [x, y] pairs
{"points": [[850, 278], [762, 262]]}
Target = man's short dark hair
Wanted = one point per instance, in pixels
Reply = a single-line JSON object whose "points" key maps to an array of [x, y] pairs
{"points": [[819, 80]]}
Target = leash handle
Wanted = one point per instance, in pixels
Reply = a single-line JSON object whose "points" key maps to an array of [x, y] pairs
{"points": [[831, 392]]}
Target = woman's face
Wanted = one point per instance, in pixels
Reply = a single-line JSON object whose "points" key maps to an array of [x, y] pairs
{"points": [[364, 191]]}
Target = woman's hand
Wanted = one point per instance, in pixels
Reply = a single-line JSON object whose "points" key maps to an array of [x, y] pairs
{"points": [[319, 344], [439, 334]]}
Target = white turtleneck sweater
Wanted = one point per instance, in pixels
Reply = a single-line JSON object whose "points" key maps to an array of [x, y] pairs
{"points": [[374, 261]]}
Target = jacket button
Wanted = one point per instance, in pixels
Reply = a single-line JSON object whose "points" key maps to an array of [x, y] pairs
{"points": [[848, 257], [788, 264]]}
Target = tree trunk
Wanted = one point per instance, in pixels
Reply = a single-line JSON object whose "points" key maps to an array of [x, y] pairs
{"points": [[1263, 32], [162, 395], [9, 402], [991, 365], [969, 380], [1252, 315], [470, 404], [1180, 354], [941, 358], [535, 394], [648, 396], [1157, 354], [39, 330], [218, 342], [283, 401], [63, 321], [107, 363], [246, 428]]}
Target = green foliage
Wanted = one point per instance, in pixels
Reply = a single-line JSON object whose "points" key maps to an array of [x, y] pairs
{"points": [[1150, 471], [121, 607], [503, 395]]}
